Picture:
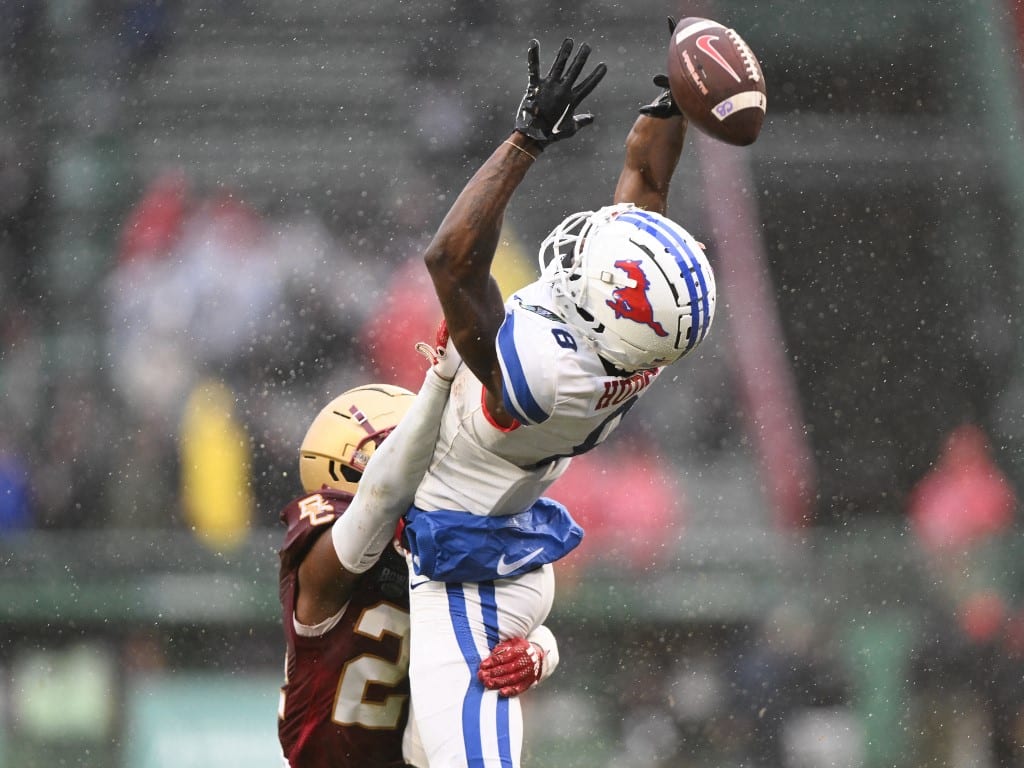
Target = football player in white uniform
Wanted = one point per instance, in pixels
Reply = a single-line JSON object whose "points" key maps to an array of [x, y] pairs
{"points": [[548, 375]]}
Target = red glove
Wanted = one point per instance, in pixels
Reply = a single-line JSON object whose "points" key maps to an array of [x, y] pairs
{"points": [[513, 666]]}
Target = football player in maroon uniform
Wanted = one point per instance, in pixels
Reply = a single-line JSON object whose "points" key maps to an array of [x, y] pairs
{"points": [[344, 703]]}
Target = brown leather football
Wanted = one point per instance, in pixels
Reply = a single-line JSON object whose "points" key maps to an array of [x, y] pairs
{"points": [[716, 80]]}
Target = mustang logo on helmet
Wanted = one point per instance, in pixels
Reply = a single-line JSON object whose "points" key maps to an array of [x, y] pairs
{"points": [[636, 284], [631, 302]]}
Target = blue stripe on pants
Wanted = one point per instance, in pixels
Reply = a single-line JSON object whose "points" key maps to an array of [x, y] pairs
{"points": [[471, 703], [489, 606]]}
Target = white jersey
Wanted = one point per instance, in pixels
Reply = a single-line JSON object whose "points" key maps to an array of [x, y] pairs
{"points": [[564, 400]]}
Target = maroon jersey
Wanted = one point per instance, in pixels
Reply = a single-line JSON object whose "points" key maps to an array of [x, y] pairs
{"points": [[344, 703]]}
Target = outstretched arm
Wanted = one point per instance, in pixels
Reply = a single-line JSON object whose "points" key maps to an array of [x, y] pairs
{"points": [[328, 573], [396, 468], [460, 255], [653, 147]]}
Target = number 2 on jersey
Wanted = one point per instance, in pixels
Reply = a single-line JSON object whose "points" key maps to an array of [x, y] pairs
{"points": [[350, 707]]}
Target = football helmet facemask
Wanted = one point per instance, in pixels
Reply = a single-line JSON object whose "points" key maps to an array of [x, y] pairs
{"points": [[344, 435], [633, 282]]}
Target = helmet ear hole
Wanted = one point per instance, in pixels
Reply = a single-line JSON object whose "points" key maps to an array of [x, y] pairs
{"points": [[351, 474]]}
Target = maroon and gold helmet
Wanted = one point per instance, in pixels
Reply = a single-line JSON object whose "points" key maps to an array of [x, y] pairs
{"points": [[344, 435]]}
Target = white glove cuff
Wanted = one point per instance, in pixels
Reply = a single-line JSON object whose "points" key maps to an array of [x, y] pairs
{"points": [[444, 361], [545, 638], [448, 361]]}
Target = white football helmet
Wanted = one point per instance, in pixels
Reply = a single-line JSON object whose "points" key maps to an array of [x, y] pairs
{"points": [[633, 282], [344, 435]]}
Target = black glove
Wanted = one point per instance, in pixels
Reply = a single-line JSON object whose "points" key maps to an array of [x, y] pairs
{"points": [[663, 106], [545, 113]]}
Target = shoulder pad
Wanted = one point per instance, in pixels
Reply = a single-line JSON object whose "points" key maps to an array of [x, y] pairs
{"points": [[529, 349], [308, 516]]}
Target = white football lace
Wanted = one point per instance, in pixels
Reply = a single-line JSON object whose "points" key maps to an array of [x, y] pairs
{"points": [[749, 62]]}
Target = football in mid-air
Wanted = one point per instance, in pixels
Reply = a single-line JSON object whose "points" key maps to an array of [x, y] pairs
{"points": [[716, 80]]}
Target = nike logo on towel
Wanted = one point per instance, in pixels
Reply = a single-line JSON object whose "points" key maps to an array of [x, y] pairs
{"points": [[418, 581], [504, 569]]}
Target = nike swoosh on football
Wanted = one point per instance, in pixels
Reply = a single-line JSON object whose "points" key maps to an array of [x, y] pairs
{"points": [[704, 43], [504, 569]]}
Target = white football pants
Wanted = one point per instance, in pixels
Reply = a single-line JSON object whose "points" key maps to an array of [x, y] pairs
{"points": [[453, 628]]}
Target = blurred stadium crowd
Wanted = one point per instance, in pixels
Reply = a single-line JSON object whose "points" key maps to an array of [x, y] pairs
{"points": [[165, 290], [175, 311]]}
